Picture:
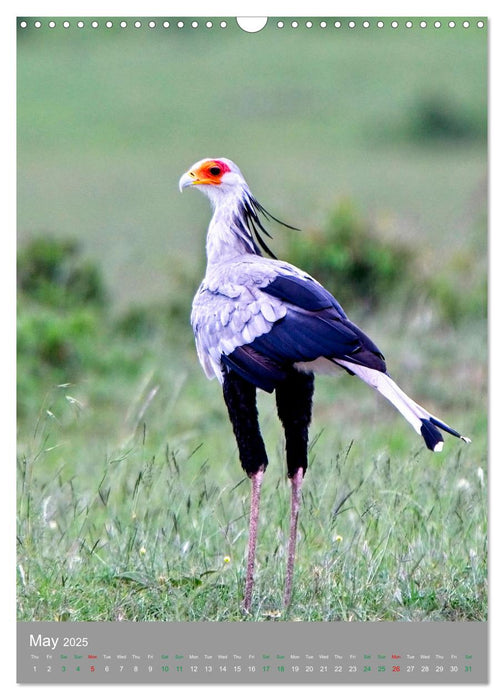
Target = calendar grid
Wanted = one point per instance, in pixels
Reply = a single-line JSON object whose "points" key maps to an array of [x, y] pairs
{"points": [[251, 652]]}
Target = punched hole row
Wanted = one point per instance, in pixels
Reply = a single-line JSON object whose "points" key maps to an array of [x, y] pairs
{"points": [[137, 24], [280, 24]]}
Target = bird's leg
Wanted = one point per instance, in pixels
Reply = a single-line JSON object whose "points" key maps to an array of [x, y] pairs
{"points": [[240, 398], [296, 482], [294, 403], [256, 480]]}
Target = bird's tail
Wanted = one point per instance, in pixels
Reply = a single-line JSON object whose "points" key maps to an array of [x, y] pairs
{"points": [[422, 421]]}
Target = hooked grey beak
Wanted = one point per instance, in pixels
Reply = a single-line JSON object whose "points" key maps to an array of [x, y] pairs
{"points": [[186, 180]]}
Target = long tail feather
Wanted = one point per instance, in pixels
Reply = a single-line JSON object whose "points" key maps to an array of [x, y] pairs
{"points": [[422, 421]]}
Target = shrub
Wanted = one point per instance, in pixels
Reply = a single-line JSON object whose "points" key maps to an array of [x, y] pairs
{"points": [[52, 272], [65, 329], [61, 319], [349, 256], [436, 117]]}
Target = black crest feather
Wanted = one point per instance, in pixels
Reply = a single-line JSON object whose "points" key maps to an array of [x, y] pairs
{"points": [[251, 212]]}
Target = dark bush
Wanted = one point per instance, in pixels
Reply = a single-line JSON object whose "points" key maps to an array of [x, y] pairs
{"points": [[436, 118], [65, 328], [63, 341], [349, 258], [61, 319], [51, 271]]}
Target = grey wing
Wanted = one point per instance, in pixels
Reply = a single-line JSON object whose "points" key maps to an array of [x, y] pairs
{"points": [[227, 316], [314, 329]]}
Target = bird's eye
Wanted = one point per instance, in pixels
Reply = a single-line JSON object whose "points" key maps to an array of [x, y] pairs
{"points": [[215, 170]]}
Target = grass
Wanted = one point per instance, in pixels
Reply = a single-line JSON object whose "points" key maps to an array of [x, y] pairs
{"points": [[149, 538], [131, 501]]}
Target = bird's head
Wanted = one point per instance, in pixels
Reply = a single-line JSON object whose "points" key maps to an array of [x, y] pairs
{"points": [[222, 182], [216, 177]]}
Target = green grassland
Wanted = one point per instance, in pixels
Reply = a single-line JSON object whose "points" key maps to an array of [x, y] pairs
{"points": [[131, 501]]}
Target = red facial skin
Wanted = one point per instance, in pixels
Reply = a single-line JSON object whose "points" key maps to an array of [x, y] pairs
{"points": [[207, 173]]}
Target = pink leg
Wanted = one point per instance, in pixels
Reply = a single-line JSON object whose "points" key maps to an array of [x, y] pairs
{"points": [[256, 480], [296, 482]]}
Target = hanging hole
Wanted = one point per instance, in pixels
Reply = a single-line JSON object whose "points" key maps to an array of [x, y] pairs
{"points": [[252, 24]]}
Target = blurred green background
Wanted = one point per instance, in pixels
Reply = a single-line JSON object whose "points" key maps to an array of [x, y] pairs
{"points": [[371, 141], [108, 119]]}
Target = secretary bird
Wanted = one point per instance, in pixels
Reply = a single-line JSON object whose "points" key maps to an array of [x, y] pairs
{"points": [[263, 323]]}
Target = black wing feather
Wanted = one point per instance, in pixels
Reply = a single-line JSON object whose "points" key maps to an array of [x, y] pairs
{"points": [[307, 294], [303, 292], [314, 326], [255, 368]]}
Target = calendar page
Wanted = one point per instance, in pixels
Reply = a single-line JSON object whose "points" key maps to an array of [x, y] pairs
{"points": [[252, 340]]}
